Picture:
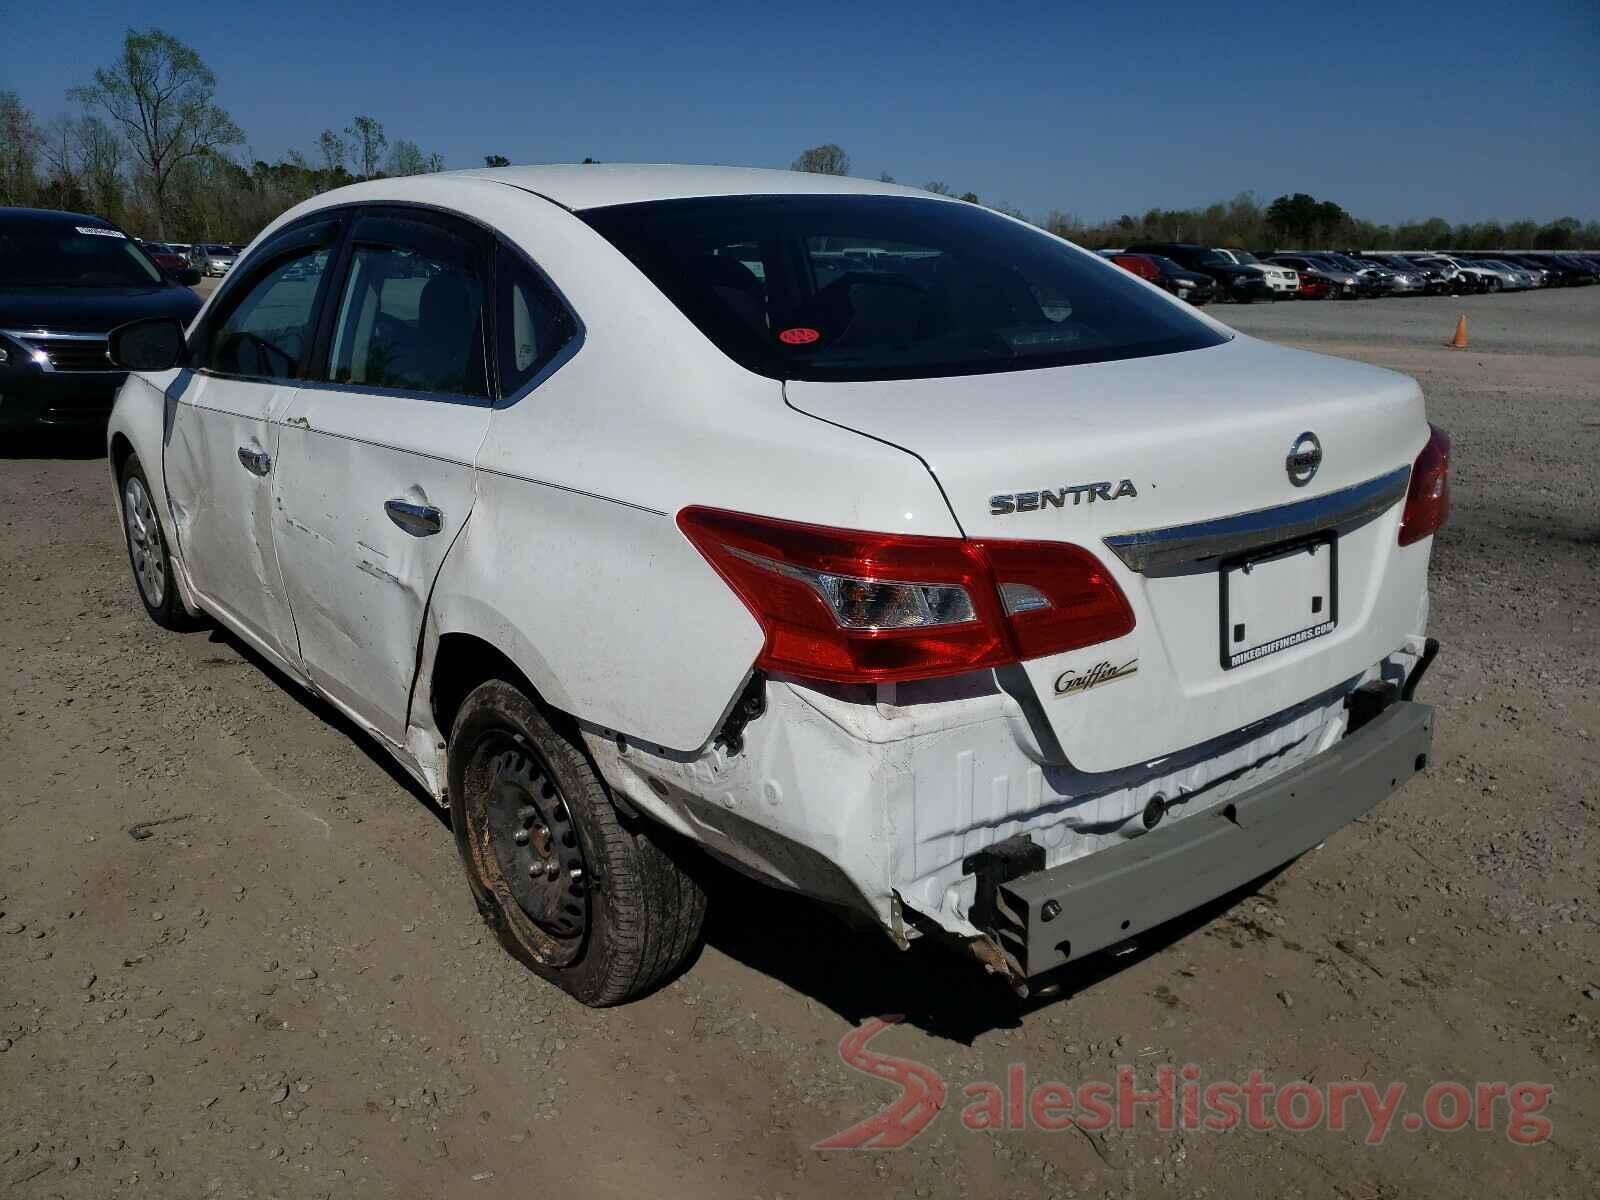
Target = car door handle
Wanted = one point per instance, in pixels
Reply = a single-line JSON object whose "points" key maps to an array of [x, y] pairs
{"points": [[419, 520], [257, 462]]}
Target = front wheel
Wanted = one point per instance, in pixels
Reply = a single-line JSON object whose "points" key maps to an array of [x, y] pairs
{"points": [[602, 911], [147, 550]]}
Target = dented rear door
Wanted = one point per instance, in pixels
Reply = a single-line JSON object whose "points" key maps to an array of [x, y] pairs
{"points": [[379, 457]]}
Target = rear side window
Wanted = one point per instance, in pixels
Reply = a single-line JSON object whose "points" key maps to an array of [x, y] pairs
{"points": [[884, 287], [533, 324], [411, 316], [268, 333]]}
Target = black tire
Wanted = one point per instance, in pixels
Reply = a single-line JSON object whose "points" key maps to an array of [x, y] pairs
{"points": [[148, 555], [641, 912]]}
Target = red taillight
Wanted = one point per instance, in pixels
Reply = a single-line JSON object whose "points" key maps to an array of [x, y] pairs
{"points": [[858, 607], [1428, 497], [1084, 604]]}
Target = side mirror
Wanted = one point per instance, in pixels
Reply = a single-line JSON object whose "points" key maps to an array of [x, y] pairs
{"points": [[153, 344]]}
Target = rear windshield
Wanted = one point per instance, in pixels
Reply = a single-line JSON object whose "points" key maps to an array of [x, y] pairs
{"points": [[50, 254], [884, 287]]}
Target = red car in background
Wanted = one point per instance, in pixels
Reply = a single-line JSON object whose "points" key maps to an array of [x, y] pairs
{"points": [[165, 257], [1312, 288], [1141, 265]]}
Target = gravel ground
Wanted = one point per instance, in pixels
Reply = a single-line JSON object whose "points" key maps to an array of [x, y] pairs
{"points": [[284, 990]]}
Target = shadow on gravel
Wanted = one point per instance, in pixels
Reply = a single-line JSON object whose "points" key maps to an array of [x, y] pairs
{"points": [[54, 443], [326, 713], [858, 973]]}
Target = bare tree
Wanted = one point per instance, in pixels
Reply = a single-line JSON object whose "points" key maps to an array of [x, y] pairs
{"points": [[827, 159], [334, 150], [55, 144], [370, 142], [407, 159], [162, 97], [496, 160], [19, 151], [938, 188], [85, 158]]}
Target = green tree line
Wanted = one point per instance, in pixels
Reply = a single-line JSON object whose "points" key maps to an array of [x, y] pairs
{"points": [[1290, 222]]}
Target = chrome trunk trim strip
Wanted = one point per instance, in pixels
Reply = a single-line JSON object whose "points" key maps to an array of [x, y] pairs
{"points": [[1176, 546]]}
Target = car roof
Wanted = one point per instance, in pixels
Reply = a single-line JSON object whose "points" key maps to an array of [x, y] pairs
{"points": [[594, 185], [51, 216], [597, 185]]}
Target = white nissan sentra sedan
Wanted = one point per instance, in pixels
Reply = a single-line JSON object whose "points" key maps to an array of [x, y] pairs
{"points": [[891, 549]]}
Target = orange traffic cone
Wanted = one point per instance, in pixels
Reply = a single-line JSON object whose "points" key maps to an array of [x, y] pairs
{"points": [[1459, 342]]}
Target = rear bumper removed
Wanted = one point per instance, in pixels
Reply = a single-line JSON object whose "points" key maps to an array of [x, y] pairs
{"points": [[1046, 918], [896, 805]]}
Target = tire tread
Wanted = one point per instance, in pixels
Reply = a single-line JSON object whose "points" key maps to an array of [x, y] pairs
{"points": [[651, 907]]}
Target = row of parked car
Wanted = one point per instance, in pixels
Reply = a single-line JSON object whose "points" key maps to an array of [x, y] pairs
{"points": [[1200, 274], [215, 259]]}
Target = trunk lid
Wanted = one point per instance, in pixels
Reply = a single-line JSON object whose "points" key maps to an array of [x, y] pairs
{"points": [[1132, 450]]}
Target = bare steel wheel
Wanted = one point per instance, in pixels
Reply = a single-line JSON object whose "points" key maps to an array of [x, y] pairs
{"points": [[535, 845], [598, 907], [147, 550]]}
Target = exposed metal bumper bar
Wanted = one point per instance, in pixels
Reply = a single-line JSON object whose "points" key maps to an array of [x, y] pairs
{"points": [[1048, 918], [1174, 546]]}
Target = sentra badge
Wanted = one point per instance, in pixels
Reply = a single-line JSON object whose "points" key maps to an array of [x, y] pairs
{"points": [[1020, 502]]}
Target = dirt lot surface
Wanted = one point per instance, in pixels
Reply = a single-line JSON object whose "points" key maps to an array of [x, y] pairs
{"points": [[284, 989]]}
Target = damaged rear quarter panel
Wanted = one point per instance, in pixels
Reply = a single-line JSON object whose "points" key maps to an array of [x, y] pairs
{"points": [[573, 565]]}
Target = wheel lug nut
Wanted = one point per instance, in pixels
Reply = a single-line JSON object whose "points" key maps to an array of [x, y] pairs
{"points": [[520, 837]]}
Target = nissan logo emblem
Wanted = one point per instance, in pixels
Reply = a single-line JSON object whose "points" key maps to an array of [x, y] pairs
{"points": [[1305, 456]]}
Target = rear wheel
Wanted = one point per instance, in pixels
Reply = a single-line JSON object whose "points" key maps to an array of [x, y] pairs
{"points": [[600, 910], [147, 550]]}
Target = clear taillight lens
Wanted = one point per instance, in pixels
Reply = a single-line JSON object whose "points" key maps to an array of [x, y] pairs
{"points": [[1428, 496], [876, 604], [860, 607]]}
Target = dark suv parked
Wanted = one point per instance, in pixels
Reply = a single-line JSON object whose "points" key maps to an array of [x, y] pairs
{"points": [[66, 281], [1194, 286]]}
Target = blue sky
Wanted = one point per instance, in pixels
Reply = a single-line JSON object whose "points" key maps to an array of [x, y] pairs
{"points": [[1467, 110]]}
